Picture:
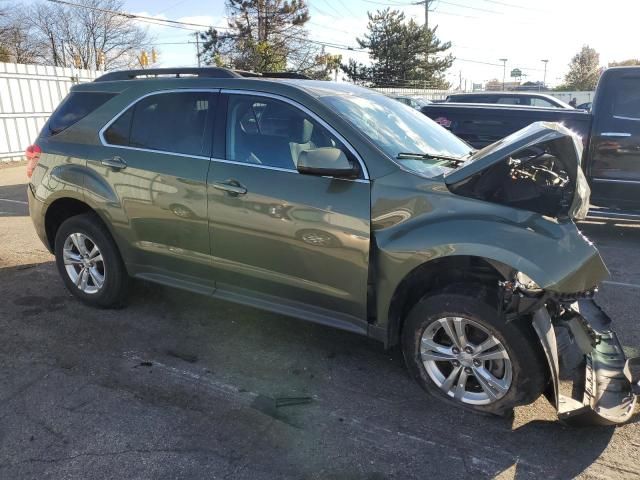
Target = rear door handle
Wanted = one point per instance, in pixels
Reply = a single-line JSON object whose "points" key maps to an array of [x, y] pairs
{"points": [[231, 187], [117, 163]]}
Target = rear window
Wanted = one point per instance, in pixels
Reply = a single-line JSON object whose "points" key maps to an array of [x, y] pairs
{"points": [[74, 108], [471, 99], [174, 122]]}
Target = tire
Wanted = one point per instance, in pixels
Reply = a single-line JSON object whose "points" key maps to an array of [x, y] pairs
{"points": [[86, 231], [521, 376]]}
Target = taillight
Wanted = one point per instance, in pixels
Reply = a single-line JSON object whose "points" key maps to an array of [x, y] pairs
{"points": [[33, 155]]}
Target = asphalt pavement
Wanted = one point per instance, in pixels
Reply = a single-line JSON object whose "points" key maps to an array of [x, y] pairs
{"points": [[177, 385]]}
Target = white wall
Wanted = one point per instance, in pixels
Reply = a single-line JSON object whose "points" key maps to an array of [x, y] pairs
{"points": [[581, 97], [427, 93], [28, 95]]}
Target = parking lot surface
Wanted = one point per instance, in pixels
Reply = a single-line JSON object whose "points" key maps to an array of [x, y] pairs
{"points": [[182, 386]]}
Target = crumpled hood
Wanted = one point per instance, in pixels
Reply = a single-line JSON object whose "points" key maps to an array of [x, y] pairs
{"points": [[562, 150]]}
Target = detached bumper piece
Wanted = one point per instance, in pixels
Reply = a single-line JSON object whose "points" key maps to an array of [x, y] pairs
{"points": [[592, 381]]}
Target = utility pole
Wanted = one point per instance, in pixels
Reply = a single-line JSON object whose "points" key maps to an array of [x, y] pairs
{"points": [[197, 34], [544, 82], [426, 30], [64, 57], [504, 70]]}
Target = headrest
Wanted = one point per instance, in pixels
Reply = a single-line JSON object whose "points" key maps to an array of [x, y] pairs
{"points": [[300, 130]]}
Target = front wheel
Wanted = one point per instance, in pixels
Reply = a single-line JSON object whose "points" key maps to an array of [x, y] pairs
{"points": [[461, 350], [89, 262]]}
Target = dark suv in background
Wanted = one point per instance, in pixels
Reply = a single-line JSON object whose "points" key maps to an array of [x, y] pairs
{"points": [[338, 205], [509, 98]]}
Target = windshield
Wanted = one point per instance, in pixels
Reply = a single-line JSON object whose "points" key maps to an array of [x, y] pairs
{"points": [[398, 129]]}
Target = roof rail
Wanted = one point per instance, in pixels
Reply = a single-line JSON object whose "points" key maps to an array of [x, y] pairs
{"points": [[208, 72], [295, 75], [246, 73]]}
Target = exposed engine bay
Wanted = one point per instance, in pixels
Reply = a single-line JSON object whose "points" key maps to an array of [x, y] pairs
{"points": [[535, 169], [533, 179]]}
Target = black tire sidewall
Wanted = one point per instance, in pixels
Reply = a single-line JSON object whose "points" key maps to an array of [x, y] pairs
{"points": [[114, 288], [528, 370]]}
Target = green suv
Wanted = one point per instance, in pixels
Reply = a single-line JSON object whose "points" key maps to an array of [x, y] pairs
{"points": [[337, 205]]}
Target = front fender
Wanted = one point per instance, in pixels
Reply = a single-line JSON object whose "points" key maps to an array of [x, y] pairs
{"points": [[556, 256], [430, 224]]}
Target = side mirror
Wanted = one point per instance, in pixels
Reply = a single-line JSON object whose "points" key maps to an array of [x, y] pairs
{"points": [[327, 161]]}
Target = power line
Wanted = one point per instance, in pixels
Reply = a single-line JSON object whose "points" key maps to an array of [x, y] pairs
{"points": [[178, 3], [345, 6], [469, 7], [136, 17], [390, 4], [511, 5], [184, 25], [325, 2]]}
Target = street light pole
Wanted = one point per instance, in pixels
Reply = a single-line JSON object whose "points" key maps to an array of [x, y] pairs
{"points": [[504, 70], [544, 81]]}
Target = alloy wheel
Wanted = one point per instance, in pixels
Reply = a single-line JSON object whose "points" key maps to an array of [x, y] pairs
{"points": [[466, 361], [84, 263]]}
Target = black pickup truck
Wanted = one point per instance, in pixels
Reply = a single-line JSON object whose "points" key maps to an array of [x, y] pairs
{"points": [[610, 135]]}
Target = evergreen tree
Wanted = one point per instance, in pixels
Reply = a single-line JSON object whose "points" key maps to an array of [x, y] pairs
{"points": [[401, 51], [264, 36]]}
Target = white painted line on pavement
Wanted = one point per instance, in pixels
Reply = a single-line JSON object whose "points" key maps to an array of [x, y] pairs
{"points": [[621, 284], [13, 201]]}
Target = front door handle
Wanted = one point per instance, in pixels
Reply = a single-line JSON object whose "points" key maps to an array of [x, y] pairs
{"points": [[231, 187], [117, 163]]}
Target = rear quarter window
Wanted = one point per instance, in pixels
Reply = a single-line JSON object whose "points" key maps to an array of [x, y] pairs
{"points": [[74, 108]]}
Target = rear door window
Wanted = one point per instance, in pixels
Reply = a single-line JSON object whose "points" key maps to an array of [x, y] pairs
{"points": [[541, 102], [626, 98], [511, 101], [174, 122], [74, 108]]}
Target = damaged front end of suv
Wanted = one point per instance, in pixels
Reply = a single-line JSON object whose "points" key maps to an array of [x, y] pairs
{"points": [[538, 169]]}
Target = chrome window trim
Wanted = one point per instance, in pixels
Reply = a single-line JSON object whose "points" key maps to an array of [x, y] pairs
{"points": [[622, 117], [279, 169], [615, 180], [299, 106], [138, 99]]}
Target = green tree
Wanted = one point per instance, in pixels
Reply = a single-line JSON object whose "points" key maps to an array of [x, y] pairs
{"points": [[327, 66], [402, 51], [356, 72], [263, 36], [584, 70]]}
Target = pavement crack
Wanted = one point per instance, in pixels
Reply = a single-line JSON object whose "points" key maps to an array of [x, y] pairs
{"points": [[24, 388], [109, 454]]}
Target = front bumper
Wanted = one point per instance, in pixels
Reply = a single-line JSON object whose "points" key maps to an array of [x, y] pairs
{"points": [[592, 382]]}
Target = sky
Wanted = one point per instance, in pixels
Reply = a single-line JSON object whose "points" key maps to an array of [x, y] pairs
{"points": [[481, 31]]}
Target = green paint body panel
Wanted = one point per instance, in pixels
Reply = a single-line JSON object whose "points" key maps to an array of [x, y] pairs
{"points": [[323, 249]]}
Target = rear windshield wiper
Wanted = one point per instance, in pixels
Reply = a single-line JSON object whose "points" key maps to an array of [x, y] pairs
{"points": [[429, 156]]}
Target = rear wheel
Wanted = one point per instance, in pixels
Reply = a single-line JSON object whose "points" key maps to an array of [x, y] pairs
{"points": [[460, 350], [89, 262]]}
